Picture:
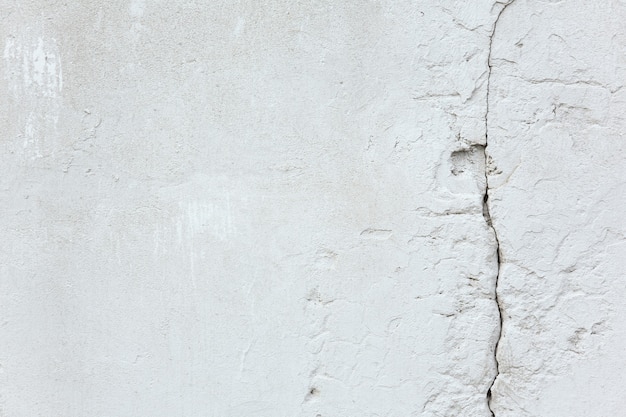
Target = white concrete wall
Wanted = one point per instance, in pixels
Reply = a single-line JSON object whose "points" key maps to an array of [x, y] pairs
{"points": [[558, 190], [277, 209]]}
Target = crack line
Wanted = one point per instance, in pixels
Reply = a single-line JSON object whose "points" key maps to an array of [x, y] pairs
{"points": [[486, 212]]}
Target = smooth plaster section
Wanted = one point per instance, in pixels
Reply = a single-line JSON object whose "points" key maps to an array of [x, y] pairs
{"points": [[259, 209]]}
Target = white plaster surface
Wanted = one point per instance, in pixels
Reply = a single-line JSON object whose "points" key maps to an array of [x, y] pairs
{"points": [[557, 127], [276, 209]]}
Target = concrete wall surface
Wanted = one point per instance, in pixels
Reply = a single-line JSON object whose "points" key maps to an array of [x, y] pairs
{"points": [[316, 208]]}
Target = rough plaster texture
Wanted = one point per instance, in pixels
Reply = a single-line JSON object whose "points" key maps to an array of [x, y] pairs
{"points": [[278, 209], [557, 195]]}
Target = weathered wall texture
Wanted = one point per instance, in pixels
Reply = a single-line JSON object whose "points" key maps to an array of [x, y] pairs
{"points": [[557, 119], [277, 209]]}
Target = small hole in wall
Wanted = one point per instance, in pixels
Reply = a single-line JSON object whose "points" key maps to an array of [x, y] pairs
{"points": [[312, 394]]}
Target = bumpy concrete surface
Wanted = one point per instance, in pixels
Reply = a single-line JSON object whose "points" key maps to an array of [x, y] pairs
{"points": [[283, 208], [557, 178]]}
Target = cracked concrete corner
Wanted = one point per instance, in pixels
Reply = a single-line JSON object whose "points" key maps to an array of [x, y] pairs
{"points": [[486, 211]]}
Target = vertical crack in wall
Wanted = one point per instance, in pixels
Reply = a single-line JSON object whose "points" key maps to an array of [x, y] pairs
{"points": [[486, 212]]}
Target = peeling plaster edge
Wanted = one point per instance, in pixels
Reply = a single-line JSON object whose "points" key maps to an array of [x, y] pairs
{"points": [[486, 212]]}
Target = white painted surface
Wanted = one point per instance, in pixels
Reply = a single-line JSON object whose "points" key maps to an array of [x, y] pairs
{"points": [[276, 209], [556, 135]]}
